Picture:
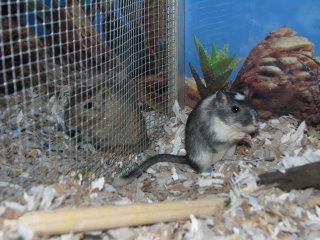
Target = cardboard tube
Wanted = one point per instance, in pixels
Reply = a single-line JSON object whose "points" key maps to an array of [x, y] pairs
{"points": [[100, 218]]}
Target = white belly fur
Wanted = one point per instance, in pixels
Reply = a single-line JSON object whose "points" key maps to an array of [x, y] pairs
{"points": [[206, 159]]}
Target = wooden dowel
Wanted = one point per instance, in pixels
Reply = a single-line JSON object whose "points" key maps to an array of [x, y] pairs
{"points": [[100, 218]]}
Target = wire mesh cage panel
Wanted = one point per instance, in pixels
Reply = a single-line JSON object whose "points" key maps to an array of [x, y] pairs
{"points": [[81, 82]]}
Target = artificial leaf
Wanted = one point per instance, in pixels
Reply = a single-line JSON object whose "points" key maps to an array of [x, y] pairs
{"points": [[216, 68]]}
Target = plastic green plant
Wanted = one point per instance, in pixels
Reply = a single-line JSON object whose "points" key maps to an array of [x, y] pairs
{"points": [[216, 68]]}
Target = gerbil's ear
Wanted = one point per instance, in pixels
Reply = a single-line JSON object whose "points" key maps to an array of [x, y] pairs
{"points": [[245, 91], [221, 98]]}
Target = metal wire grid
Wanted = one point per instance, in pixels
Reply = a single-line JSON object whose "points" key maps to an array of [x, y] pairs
{"points": [[77, 80]]}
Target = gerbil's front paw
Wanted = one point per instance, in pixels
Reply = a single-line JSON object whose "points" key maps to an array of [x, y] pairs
{"points": [[244, 137]]}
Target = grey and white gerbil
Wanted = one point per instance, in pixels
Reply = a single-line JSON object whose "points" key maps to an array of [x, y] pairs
{"points": [[213, 129]]}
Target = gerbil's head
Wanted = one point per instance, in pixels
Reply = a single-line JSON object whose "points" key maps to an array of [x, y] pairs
{"points": [[234, 110]]}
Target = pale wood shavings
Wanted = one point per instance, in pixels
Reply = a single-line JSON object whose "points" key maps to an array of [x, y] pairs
{"points": [[253, 212]]}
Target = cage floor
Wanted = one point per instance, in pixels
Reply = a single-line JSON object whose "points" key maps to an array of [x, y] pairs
{"points": [[254, 211]]}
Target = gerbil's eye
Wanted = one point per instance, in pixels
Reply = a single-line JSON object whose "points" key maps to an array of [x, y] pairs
{"points": [[235, 109]]}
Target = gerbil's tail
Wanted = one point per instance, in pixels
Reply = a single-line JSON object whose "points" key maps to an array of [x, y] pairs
{"points": [[137, 171]]}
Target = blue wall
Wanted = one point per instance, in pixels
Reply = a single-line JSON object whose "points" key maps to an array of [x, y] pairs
{"points": [[244, 23]]}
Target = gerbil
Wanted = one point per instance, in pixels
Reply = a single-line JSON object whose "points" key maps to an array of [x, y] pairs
{"points": [[213, 129], [105, 117]]}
